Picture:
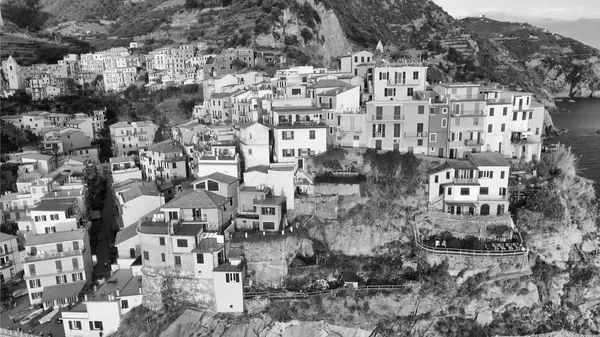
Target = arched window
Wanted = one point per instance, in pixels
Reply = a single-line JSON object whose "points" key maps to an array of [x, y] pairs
{"points": [[485, 209]]}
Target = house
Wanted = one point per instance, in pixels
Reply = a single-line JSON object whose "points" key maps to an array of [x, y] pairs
{"points": [[324, 85], [349, 279], [101, 311], [13, 74], [467, 127], [255, 144], [525, 126], [348, 63], [64, 139], [298, 132], [339, 99], [163, 161], [127, 138], [44, 163], [474, 186], [229, 279], [259, 209], [91, 153], [128, 246], [135, 198], [85, 124], [123, 168], [214, 85], [57, 215], [279, 177], [10, 258], [397, 82], [348, 128], [118, 79], [57, 267], [221, 157]]}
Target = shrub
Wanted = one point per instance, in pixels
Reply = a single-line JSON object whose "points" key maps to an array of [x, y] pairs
{"points": [[306, 34]]}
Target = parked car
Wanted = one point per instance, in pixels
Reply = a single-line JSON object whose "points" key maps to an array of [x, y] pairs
{"points": [[31, 316], [19, 315]]}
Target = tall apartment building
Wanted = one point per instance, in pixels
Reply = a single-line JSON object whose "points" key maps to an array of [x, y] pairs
{"points": [[57, 267], [118, 79], [390, 82], [163, 161], [129, 137], [10, 258]]}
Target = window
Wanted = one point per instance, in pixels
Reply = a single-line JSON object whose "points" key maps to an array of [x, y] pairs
{"points": [[464, 191], [32, 269], [182, 243], [491, 112], [268, 210], [504, 111], [36, 295], [200, 258], [444, 111], [490, 128], [449, 190], [396, 130], [77, 277], [59, 248], [75, 245], [177, 261], [484, 190], [201, 185], [356, 138], [174, 165], [161, 241], [397, 112], [75, 325], [379, 113], [433, 137], [124, 304], [213, 185], [444, 122], [515, 115], [58, 265], [288, 152], [448, 175], [146, 256], [419, 142], [61, 279], [162, 257], [421, 110], [387, 92], [232, 277], [475, 121], [249, 152], [415, 75], [537, 131], [503, 127], [53, 216], [530, 114], [409, 92], [96, 325], [35, 283], [75, 262], [287, 135], [312, 134], [501, 174], [436, 179]]}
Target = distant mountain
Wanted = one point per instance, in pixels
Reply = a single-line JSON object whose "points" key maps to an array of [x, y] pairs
{"points": [[318, 32]]}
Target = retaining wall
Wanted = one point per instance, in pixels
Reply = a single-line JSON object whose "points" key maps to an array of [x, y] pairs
{"points": [[325, 206], [339, 189], [183, 288]]}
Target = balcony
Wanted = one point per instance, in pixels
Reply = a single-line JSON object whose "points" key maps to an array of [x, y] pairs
{"points": [[465, 180], [6, 264], [408, 135], [302, 124], [393, 81], [125, 170], [325, 106], [470, 113], [304, 153], [473, 142], [6, 251], [52, 255], [483, 197]]}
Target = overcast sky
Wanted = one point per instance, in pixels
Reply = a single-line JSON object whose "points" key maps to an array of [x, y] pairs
{"points": [[554, 9]]}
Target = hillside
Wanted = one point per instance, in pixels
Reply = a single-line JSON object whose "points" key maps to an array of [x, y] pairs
{"points": [[319, 31]]}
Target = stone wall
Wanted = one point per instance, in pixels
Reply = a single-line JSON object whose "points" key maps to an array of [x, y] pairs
{"points": [[339, 189], [178, 286], [495, 265], [463, 227], [324, 206], [268, 258]]}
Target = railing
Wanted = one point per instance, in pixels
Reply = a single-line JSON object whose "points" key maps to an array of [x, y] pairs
{"points": [[124, 170], [289, 296], [465, 180], [6, 251], [325, 106], [468, 252], [415, 134], [54, 255], [492, 197], [441, 215], [392, 81], [469, 113], [524, 141], [302, 123], [473, 142], [6, 264]]}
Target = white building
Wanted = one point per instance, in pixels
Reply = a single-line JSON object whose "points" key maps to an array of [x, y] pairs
{"points": [[10, 258], [392, 82], [136, 198], [123, 168], [348, 63], [255, 144]]}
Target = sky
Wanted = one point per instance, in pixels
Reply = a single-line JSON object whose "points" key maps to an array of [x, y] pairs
{"points": [[551, 9]]}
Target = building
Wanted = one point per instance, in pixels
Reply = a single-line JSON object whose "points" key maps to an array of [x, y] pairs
{"points": [[91, 153], [57, 267], [298, 132], [118, 79], [123, 168], [135, 198], [221, 184], [64, 139], [279, 177], [14, 76], [100, 312], [164, 161], [10, 257], [255, 144], [391, 82], [349, 63], [84, 123], [477, 185], [259, 209], [525, 126], [57, 215], [127, 138]]}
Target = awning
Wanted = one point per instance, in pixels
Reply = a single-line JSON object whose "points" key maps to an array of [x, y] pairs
{"points": [[65, 290], [460, 203]]}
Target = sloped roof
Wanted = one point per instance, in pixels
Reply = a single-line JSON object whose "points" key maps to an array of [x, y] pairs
{"points": [[166, 146], [54, 205], [126, 234], [329, 84], [42, 239], [6, 237], [335, 92], [36, 156], [218, 176], [488, 159], [197, 199], [258, 168], [139, 189], [61, 291], [120, 125]]}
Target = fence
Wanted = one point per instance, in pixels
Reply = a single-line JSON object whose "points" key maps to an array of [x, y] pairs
{"points": [[467, 252], [290, 296]]}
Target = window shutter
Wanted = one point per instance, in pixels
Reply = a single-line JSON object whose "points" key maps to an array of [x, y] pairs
{"points": [[237, 278], [70, 325], [227, 277], [91, 325], [480, 174], [491, 174]]}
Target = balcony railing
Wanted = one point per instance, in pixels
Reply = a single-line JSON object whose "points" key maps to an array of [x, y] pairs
{"points": [[325, 106], [516, 140], [52, 255], [465, 180], [6, 264], [415, 134], [470, 113], [473, 142], [302, 123], [393, 81], [6, 251], [485, 197]]}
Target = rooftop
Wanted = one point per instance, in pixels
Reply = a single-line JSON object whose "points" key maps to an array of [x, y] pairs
{"points": [[167, 146], [277, 200], [220, 177], [47, 238], [36, 156], [197, 199], [115, 160], [189, 229], [259, 168], [297, 109], [123, 281], [335, 92], [126, 234], [60, 291], [488, 159], [329, 84], [140, 188], [7, 237], [228, 267], [208, 245], [54, 205]]}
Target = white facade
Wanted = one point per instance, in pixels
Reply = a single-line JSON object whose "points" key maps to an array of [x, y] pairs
{"points": [[254, 140], [10, 258], [398, 82]]}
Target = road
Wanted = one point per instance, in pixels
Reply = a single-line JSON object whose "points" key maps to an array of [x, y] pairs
{"points": [[107, 233]]}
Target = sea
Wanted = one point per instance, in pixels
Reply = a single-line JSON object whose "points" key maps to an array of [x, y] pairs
{"points": [[582, 119]]}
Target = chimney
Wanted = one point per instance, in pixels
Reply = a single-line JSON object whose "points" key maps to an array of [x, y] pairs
{"points": [[95, 288], [118, 293], [85, 297], [140, 290]]}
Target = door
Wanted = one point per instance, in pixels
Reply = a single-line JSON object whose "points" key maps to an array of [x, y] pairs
{"points": [[197, 213], [441, 152], [378, 144], [396, 146], [485, 209], [452, 153], [300, 163], [355, 143]]}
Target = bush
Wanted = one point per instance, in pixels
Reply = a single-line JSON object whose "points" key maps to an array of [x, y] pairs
{"points": [[329, 178]]}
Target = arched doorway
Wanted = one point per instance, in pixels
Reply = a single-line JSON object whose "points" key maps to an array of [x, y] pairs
{"points": [[485, 209], [500, 210]]}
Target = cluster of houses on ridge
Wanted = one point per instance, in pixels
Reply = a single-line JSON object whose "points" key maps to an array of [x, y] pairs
{"points": [[240, 164]]}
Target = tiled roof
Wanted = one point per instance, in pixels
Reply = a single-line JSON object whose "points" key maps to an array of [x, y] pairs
{"points": [[488, 159], [218, 176], [329, 84], [139, 189], [54, 205], [126, 234], [197, 199], [120, 125], [42, 239], [62, 291], [335, 92], [166, 146]]}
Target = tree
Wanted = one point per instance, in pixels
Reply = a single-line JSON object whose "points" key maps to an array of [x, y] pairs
{"points": [[239, 64]]}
